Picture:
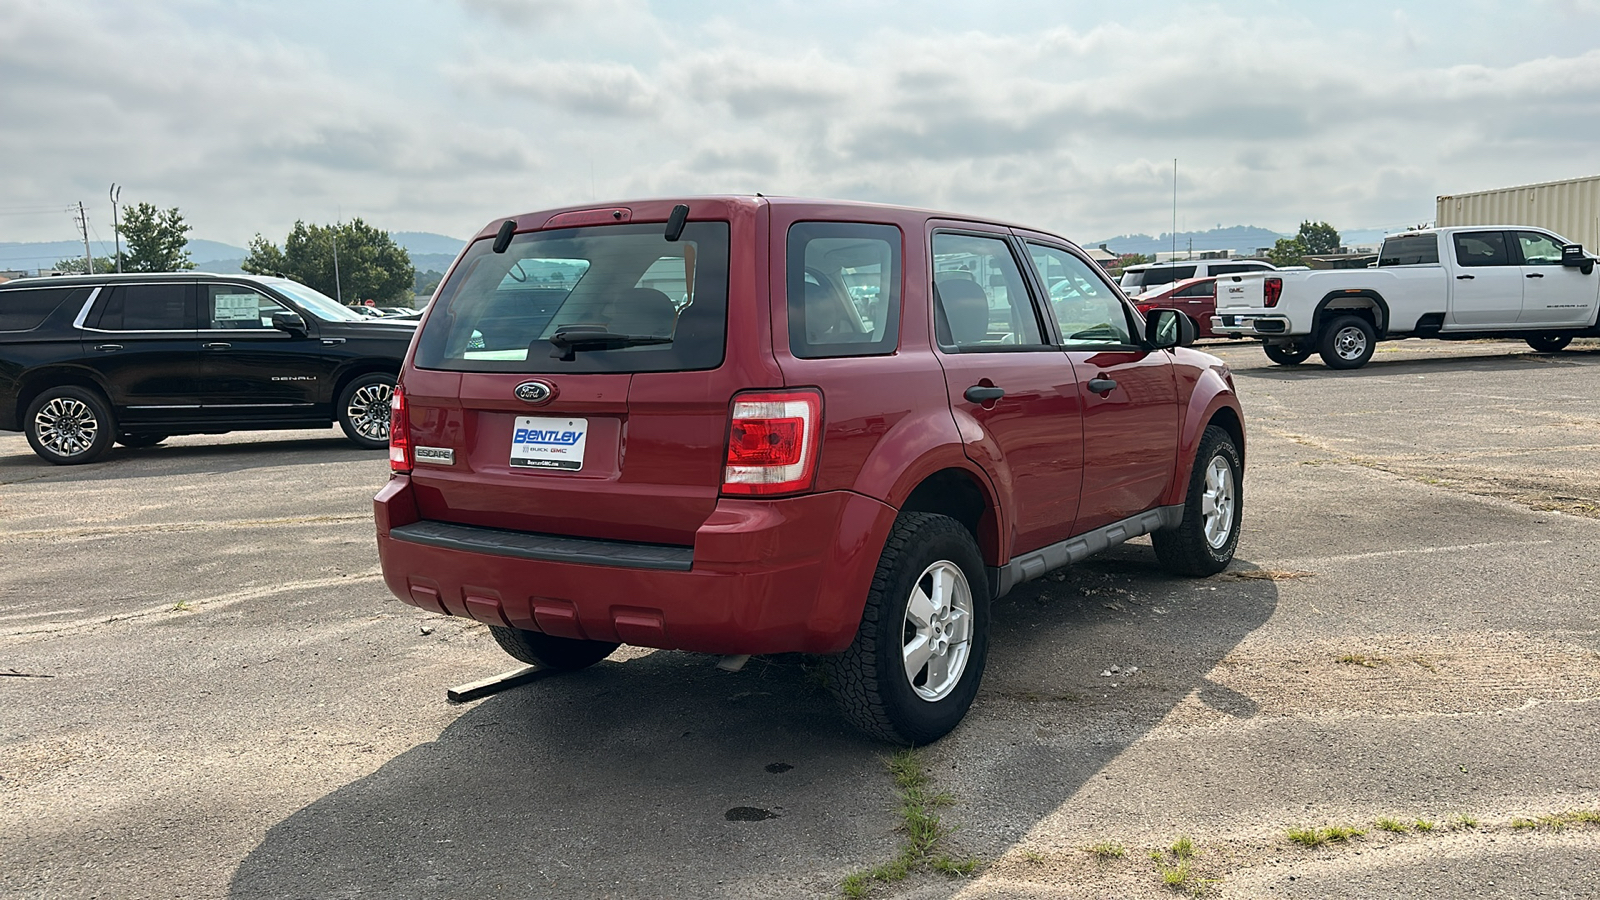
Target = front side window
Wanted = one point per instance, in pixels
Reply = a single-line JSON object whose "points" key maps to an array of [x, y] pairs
{"points": [[1482, 248], [1539, 249], [1086, 309], [608, 298], [318, 304], [1410, 250], [232, 307], [145, 307], [843, 289], [981, 301]]}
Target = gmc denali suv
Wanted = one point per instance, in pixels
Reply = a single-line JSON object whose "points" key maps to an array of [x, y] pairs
{"points": [[88, 360], [742, 425]]}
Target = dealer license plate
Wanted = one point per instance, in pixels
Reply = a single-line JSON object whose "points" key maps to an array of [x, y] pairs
{"points": [[548, 443]]}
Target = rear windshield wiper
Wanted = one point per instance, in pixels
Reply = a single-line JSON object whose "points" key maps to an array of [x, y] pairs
{"points": [[569, 342]]}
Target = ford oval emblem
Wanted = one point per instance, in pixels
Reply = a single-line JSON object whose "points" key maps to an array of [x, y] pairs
{"points": [[535, 392]]}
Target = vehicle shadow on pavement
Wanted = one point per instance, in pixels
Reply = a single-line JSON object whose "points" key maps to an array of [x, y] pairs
{"points": [[123, 462], [661, 776]]}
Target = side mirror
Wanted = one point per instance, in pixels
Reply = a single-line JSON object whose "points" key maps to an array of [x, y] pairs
{"points": [[1573, 257], [1167, 328], [292, 322]]}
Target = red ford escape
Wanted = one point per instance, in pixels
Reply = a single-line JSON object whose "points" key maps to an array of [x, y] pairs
{"points": [[742, 425]]}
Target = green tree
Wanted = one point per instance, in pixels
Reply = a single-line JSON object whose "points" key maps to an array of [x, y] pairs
{"points": [[156, 240], [75, 265], [1288, 251], [1319, 238], [371, 266]]}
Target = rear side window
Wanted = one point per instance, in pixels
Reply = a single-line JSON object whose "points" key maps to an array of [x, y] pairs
{"points": [[1410, 250], [844, 289], [24, 309], [981, 300], [1482, 248], [144, 307], [1232, 268], [611, 298]]}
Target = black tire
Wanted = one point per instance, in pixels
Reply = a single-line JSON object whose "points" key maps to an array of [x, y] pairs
{"points": [[135, 441], [1548, 343], [1347, 342], [1288, 354], [364, 409], [1202, 545], [539, 649], [69, 425], [870, 679]]}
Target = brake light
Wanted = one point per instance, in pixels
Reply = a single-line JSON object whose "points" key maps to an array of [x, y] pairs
{"points": [[400, 458], [1271, 290], [772, 442]]}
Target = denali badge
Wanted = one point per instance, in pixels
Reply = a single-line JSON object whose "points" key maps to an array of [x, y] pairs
{"points": [[535, 391], [439, 456]]}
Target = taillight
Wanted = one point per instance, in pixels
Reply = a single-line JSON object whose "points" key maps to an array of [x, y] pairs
{"points": [[1271, 290], [772, 442], [400, 459]]}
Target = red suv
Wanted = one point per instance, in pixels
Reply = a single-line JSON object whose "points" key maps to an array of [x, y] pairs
{"points": [[742, 425]]}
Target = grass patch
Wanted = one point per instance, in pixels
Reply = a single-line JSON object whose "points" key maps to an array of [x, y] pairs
{"points": [[1463, 821], [1175, 867], [921, 826], [1394, 825], [1106, 850], [1358, 659], [1522, 824], [181, 606], [1316, 837], [1183, 847], [1557, 821], [1424, 826]]}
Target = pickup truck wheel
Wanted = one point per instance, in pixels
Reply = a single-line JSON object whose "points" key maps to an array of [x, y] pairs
{"points": [[1347, 342], [539, 649], [914, 667], [1204, 542], [364, 410], [69, 426], [1549, 343], [1288, 354]]}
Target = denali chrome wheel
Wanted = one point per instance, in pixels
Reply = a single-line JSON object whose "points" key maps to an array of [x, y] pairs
{"points": [[1350, 342], [1217, 503], [368, 410], [66, 426], [936, 638]]}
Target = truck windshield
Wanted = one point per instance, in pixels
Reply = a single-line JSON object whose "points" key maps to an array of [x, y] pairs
{"points": [[608, 298]]}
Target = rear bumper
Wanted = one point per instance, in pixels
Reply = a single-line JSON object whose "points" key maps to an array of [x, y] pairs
{"points": [[763, 576], [1251, 324]]}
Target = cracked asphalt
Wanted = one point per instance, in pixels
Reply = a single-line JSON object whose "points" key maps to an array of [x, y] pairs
{"points": [[205, 690]]}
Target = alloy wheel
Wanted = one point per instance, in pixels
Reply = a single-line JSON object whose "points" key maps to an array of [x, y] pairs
{"points": [[368, 410], [66, 426], [936, 639], [1218, 502]]}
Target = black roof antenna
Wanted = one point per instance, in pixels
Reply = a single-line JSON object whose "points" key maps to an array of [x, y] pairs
{"points": [[502, 238], [675, 222]]}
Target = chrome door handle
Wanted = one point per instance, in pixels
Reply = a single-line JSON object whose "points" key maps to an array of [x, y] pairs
{"points": [[1101, 385], [107, 348], [219, 345]]}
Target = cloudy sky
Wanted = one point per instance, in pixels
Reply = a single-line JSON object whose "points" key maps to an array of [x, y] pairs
{"points": [[438, 115]]}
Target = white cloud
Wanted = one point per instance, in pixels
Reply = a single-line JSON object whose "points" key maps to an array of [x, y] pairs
{"points": [[1358, 119]]}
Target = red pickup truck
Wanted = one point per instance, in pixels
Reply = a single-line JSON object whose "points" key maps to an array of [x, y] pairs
{"points": [[742, 425]]}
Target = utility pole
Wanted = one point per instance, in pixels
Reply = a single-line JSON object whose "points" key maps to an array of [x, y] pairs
{"points": [[338, 291], [1174, 209], [116, 192], [83, 229]]}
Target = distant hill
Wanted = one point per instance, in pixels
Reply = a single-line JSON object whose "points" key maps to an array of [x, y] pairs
{"points": [[1244, 238], [427, 243]]}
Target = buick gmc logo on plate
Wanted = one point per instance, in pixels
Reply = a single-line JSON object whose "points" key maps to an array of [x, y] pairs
{"points": [[535, 391]]}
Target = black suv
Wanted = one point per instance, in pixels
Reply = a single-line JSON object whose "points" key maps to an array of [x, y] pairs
{"points": [[136, 358]]}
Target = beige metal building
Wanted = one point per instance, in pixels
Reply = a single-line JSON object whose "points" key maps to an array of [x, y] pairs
{"points": [[1570, 208]]}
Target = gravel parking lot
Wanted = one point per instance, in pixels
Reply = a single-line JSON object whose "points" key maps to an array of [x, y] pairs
{"points": [[206, 691]]}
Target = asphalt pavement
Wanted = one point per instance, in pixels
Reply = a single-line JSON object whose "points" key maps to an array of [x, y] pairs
{"points": [[206, 690]]}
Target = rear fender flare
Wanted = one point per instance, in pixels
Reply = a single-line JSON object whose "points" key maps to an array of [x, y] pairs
{"points": [[1353, 300]]}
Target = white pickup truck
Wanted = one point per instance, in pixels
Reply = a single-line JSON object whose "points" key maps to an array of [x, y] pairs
{"points": [[1446, 283]]}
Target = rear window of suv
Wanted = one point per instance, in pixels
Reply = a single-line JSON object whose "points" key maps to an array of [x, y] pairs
{"points": [[24, 309], [499, 311]]}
